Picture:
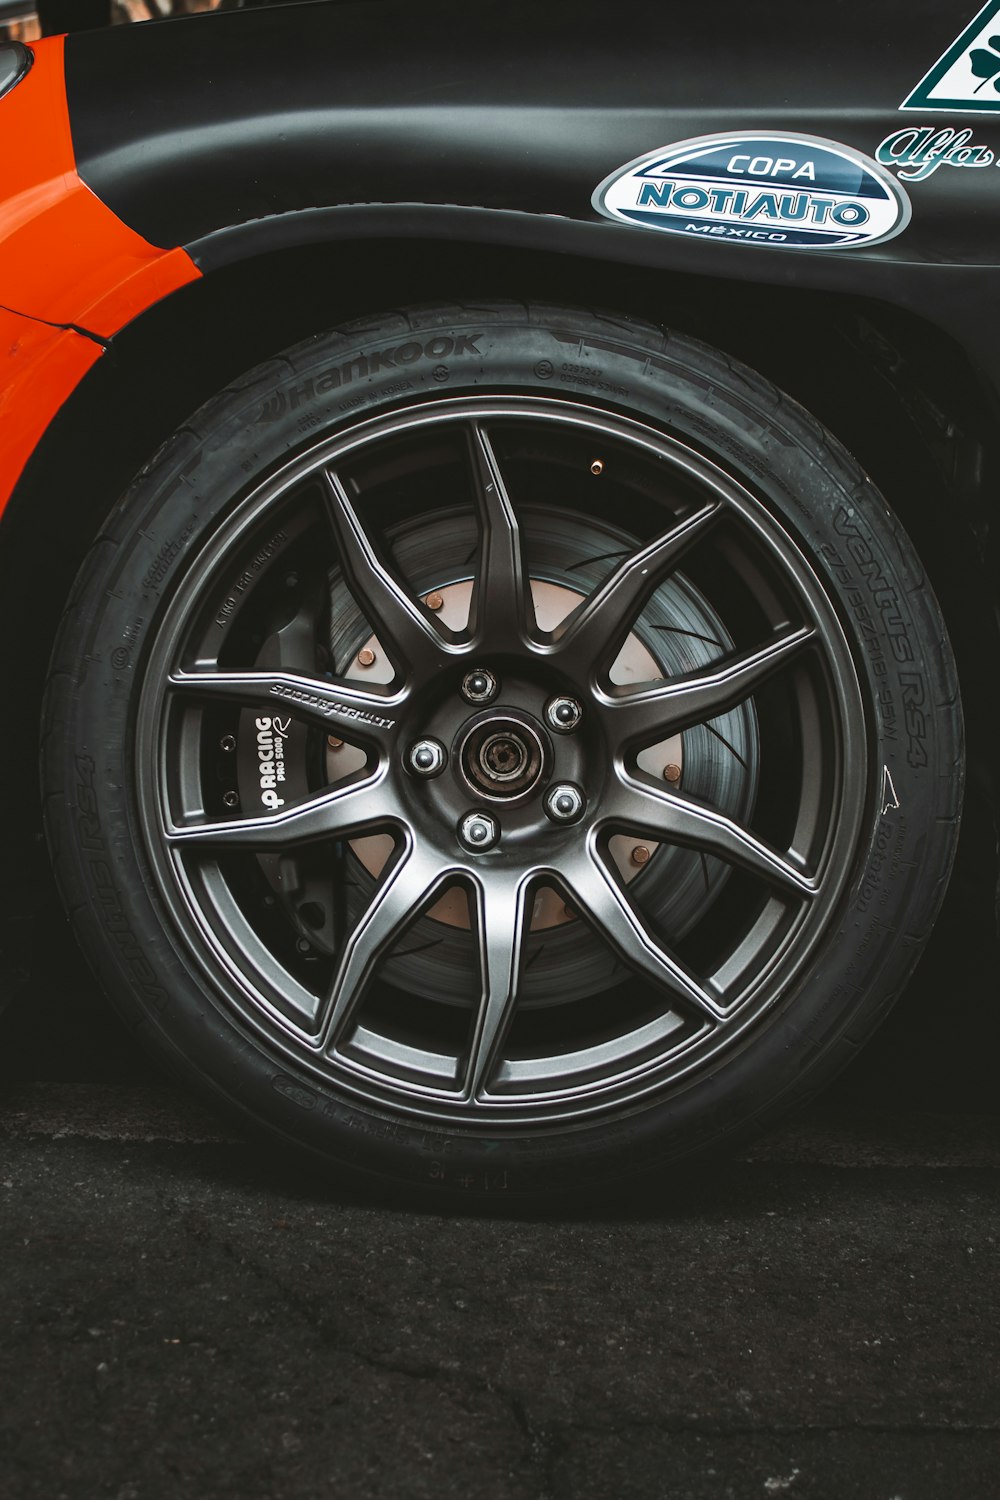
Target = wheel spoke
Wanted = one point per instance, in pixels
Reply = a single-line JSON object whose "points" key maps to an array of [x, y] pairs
{"points": [[409, 887], [602, 901], [325, 703], [593, 634], [332, 814], [689, 700], [501, 612], [391, 612], [680, 820], [501, 914]]}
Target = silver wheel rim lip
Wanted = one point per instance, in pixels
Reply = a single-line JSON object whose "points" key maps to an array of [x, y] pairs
{"points": [[634, 1086]]}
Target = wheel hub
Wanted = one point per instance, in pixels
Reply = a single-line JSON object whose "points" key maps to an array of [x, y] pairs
{"points": [[552, 603], [502, 756]]}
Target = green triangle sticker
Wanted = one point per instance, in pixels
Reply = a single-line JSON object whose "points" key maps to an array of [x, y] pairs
{"points": [[966, 78]]}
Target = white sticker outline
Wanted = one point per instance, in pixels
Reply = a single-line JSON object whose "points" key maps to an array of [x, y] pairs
{"points": [[890, 798]]}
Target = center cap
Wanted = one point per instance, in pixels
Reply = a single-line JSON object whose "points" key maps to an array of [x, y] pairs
{"points": [[502, 755]]}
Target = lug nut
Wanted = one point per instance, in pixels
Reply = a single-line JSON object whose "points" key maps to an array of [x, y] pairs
{"points": [[563, 714], [426, 758], [434, 601], [479, 831], [671, 772], [232, 799], [228, 743], [564, 803], [479, 686], [640, 855], [366, 657]]}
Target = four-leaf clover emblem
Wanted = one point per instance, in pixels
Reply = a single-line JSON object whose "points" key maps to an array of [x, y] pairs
{"points": [[986, 64]]}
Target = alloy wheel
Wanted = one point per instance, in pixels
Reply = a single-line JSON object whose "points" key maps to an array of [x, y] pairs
{"points": [[428, 761]]}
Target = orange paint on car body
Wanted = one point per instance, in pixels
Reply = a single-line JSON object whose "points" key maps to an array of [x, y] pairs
{"points": [[40, 367], [65, 259]]}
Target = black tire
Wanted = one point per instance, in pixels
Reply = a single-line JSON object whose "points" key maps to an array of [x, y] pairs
{"points": [[768, 936]]}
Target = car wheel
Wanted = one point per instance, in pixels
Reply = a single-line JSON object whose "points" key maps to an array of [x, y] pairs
{"points": [[503, 749]]}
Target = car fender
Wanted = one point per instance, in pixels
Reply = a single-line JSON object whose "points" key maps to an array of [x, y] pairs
{"points": [[170, 150], [242, 132]]}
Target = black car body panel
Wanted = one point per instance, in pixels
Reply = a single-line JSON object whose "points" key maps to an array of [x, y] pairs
{"points": [[237, 133]]}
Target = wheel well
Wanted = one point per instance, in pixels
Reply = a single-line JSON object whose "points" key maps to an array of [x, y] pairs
{"points": [[892, 387]]}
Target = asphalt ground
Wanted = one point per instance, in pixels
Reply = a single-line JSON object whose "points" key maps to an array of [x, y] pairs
{"points": [[187, 1313]]}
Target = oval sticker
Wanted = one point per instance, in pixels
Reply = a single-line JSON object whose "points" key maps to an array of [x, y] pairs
{"points": [[769, 188]]}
